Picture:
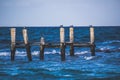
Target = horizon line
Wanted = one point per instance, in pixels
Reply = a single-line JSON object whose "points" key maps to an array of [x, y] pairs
{"points": [[63, 26]]}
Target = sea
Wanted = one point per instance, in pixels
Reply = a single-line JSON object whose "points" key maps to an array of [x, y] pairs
{"points": [[104, 66]]}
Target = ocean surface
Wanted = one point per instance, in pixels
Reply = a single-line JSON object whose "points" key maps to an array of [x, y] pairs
{"points": [[104, 66]]}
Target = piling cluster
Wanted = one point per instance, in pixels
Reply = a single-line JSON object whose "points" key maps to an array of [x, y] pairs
{"points": [[62, 45]]}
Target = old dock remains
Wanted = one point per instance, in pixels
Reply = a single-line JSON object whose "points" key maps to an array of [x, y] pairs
{"points": [[42, 44]]}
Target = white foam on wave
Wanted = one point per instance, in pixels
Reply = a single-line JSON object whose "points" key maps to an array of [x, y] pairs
{"points": [[36, 53], [112, 41], [100, 64], [102, 48], [23, 53], [20, 53], [83, 52], [52, 52], [4, 54], [67, 75], [17, 53], [89, 58]]}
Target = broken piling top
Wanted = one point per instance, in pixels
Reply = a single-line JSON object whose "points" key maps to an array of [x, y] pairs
{"points": [[71, 34], [13, 35], [25, 36], [61, 25], [42, 41], [62, 34], [92, 37]]}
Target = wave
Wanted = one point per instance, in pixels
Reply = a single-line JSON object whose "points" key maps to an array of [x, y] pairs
{"points": [[108, 49], [104, 47], [82, 52], [108, 46], [4, 54], [36, 53], [110, 42], [89, 58]]}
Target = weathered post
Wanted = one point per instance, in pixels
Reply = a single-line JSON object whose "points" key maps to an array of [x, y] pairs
{"points": [[42, 43], [92, 38], [13, 48], [71, 35], [91, 34], [27, 45], [62, 43]]}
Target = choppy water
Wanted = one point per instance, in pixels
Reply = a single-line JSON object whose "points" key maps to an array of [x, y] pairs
{"points": [[105, 65]]}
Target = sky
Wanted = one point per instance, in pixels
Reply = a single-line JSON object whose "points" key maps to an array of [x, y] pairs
{"points": [[59, 12]]}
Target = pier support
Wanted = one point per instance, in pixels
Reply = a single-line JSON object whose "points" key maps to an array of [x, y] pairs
{"points": [[62, 43], [27, 45], [92, 50], [71, 35], [62, 46], [42, 43], [92, 38], [13, 48]]}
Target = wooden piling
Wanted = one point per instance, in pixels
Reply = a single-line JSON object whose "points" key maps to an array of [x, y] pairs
{"points": [[13, 48], [92, 38], [27, 45], [92, 34], [71, 35], [62, 51], [42, 43], [25, 37], [92, 50], [62, 37], [62, 43]]}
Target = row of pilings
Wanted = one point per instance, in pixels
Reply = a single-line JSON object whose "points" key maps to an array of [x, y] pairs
{"points": [[62, 44]]}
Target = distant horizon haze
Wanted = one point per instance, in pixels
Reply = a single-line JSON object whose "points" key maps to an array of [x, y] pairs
{"points": [[60, 25]]}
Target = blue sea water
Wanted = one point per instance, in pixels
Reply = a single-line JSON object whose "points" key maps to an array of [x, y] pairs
{"points": [[104, 66]]}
